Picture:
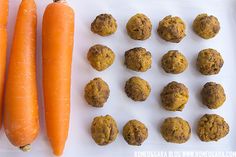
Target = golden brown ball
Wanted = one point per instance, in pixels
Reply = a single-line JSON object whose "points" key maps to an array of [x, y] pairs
{"points": [[138, 59], [104, 130], [213, 95], [135, 132], [174, 96], [104, 25], [96, 92], [175, 130], [209, 62], [139, 27], [100, 57], [212, 127], [174, 62], [137, 89], [172, 29], [206, 26]]}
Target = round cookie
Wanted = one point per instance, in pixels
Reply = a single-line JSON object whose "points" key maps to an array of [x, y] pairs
{"points": [[139, 27], [174, 96], [174, 62], [100, 57], [104, 25], [135, 132], [213, 95], [206, 26], [137, 89], [138, 59], [104, 130], [172, 29], [212, 127], [96, 92], [175, 130], [209, 62]]}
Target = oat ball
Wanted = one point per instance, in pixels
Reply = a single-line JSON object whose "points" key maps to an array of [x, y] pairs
{"points": [[139, 27], [174, 62], [138, 59], [175, 130], [137, 89], [206, 26], [172, 29], [104, 25], [209, 62], [212, 127], [104, 130], [174, 96], [135, 132], [100, 57], [96, 92], [213, 95]]}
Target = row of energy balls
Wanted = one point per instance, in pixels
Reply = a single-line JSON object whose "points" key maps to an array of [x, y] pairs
{"points": [[171, 28], [211, 127], [209, 61]]}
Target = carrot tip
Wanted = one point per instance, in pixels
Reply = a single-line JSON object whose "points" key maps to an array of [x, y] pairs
{"points": [[25, 148], [59, 1]]}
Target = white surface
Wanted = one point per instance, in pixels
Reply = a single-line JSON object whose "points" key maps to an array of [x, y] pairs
{"points": [[80, 143]]}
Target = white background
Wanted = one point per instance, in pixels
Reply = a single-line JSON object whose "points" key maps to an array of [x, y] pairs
{"points": [[80, 143]]}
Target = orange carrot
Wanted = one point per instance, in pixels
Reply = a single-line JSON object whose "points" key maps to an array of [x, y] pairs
{"points": [[57, 40], [21, 120], [3, 49]]}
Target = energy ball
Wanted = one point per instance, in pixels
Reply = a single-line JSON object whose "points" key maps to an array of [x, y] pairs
{"points": [[209, 62], [104, 130], [174, 62], [206, 26], [212, 127], [172, 29], [213, 95], [135, 132], [175, 130], [96, 92], [138, 59], [100, 57], [137, 89], [174, 96], [139, 27], [104, 25]]}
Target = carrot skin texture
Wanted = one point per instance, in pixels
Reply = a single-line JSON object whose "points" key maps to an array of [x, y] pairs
{"points": [[3, 49], [58, 39], [21, 119]]}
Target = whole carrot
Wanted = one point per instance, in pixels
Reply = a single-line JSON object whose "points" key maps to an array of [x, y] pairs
{"points": [[3, 49], [21, 120], [58, 39]]}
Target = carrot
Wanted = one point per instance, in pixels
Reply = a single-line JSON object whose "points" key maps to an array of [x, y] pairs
{"points": [[57, 41], [3, 49], [21, 120]]}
